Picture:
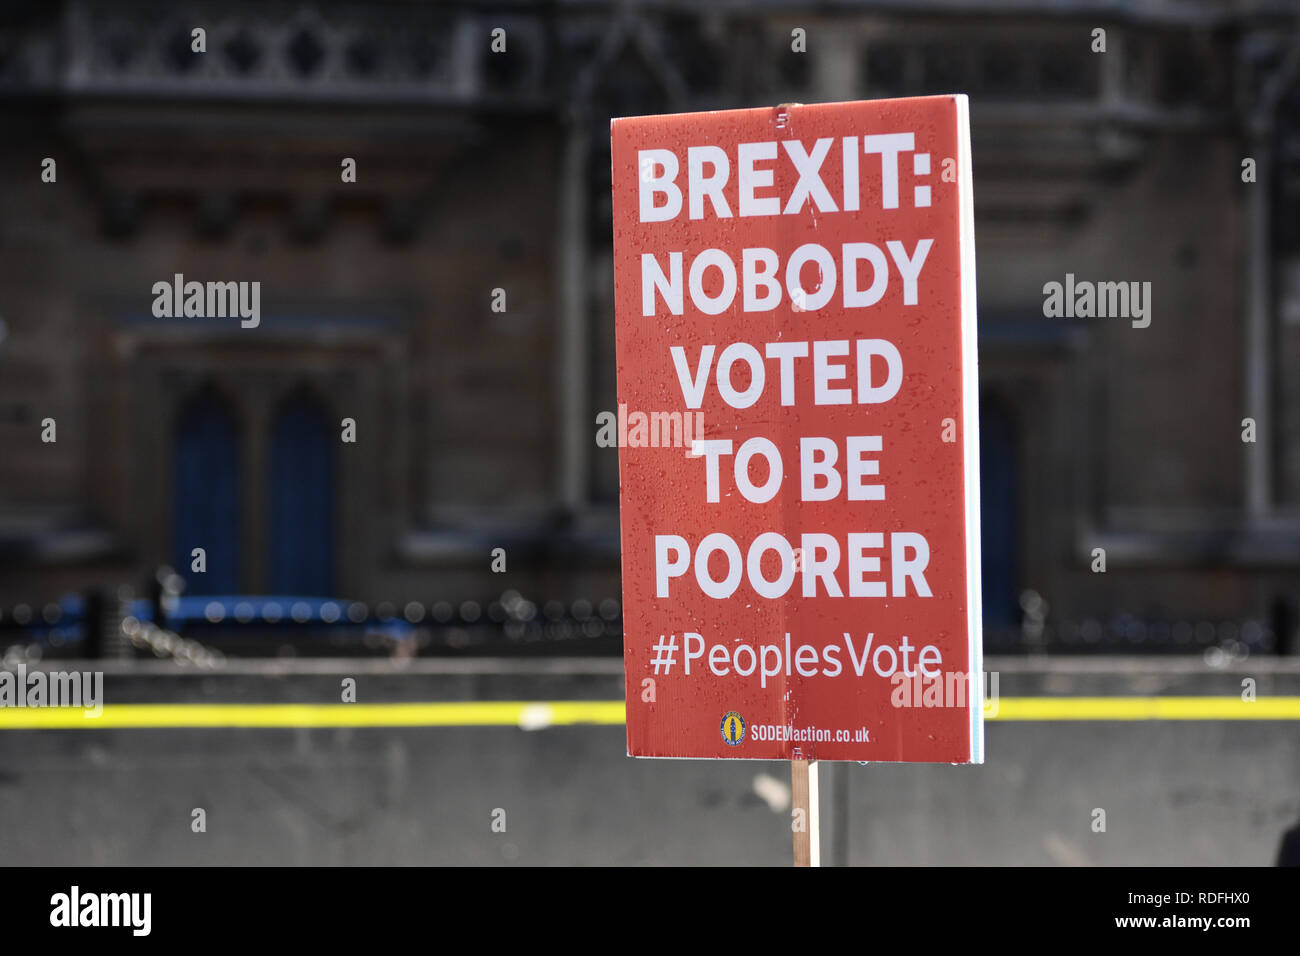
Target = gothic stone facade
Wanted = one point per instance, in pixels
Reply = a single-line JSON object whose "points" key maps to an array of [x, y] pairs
{"points": [[480, 171]]}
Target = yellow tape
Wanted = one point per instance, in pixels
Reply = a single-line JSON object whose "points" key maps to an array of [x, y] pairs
{"points": [[462, 714], [537, 715], [1147, 708]]}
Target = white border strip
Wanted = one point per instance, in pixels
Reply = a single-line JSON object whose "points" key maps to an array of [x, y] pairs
{"points": [[971, 428]]}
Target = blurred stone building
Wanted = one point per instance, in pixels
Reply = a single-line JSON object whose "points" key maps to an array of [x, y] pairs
{"points": [[481, 170]]}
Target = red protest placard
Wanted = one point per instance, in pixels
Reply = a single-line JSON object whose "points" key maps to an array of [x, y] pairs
{"points": [[799, 432]]}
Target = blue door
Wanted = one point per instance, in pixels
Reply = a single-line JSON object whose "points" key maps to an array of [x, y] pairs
{"points": [[302, 500], [999, 508], [205, 503]]}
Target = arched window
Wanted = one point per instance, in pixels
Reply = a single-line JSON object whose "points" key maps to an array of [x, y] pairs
{"points": [[999, 515], [301, 538], [205, 495]]}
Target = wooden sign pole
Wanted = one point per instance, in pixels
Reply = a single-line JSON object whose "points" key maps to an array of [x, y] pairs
{"points": [[806, 825]]}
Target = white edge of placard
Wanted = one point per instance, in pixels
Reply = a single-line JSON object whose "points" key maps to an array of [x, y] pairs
{"points": [[970, 429]]}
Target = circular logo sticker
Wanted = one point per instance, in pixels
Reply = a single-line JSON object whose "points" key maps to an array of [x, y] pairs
{"points": [[733, 728]]}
